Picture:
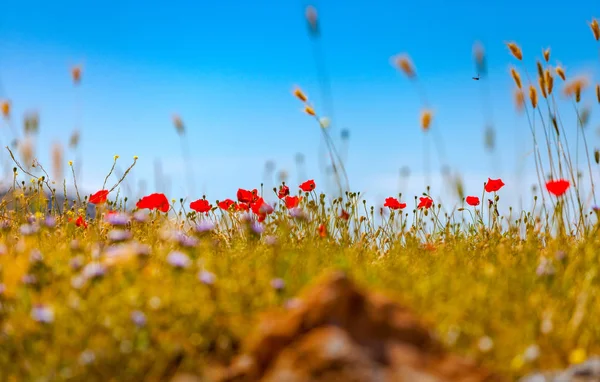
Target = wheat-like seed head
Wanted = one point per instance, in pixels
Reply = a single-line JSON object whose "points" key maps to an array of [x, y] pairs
{"points": [[178, 123], [519, 100], [575, 87], [533, 96], [57, 161], [595, 29], [547, 54], [5, 108], [311, 16], [404, 64], [540, 69], [542, 84], [561, 73], [515, 75], [598, 92], [309, 110], [549, 81], [426, 117], [26, 150], [76, 74], [515, 50], [298, 93]]}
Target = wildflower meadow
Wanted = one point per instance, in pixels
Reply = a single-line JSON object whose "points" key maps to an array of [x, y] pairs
{"points": [[98, 287]]}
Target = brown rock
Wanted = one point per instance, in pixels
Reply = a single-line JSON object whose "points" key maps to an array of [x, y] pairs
{"points": [[340, 333]]}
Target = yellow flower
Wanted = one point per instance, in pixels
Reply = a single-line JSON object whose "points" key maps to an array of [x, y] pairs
{"points": [[135, 157], [116, 157], [577, 356], [70, 163]]}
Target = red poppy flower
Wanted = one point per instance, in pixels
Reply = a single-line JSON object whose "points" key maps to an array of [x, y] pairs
{"points": [[493, 185], [99, 197], [557, 187], [154, 201], [283, 191], [261, 207], [308, 186], [344, 215], [322, 230], [246, 196], [292, 201], [394, 204], [80, 222], [200, 205], [226, 204], [425, 202], [472, 200]]}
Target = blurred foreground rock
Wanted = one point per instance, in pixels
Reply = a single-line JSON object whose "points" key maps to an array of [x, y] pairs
{"points": [[337, 332], [588, 371]]}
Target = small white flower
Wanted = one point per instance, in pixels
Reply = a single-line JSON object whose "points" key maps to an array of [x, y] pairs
{"points": [[154, 302], [485, 344], [87, 357], [324, 122], [531, 353]]}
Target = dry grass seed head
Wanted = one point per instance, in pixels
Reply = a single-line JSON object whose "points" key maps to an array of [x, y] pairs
{"points": [[309, 110], [549, 81], [426, 117], [561, 73], [547, 54], [57, 161], [515, 50], [519, 100], [405, 65], [516, 77], [533, 96], [575, 87], [298, 93], [76, 74], [595, 29], [542, 83], [5, 108], [598, 92]]}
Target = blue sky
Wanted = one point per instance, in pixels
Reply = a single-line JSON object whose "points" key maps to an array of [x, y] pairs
{"points": [[228, 69]]}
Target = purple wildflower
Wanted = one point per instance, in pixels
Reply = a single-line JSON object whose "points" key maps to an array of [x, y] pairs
{"points": [[257, 228], [117, 219], [35, 256], [93, 271], [139, 318], [140, 216], [50, 222], [206, 277], [298, 213], [204, 226], [42, 313], [29, 229], [117, 235], [278, 284], [178, 259], [185, 240]]}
